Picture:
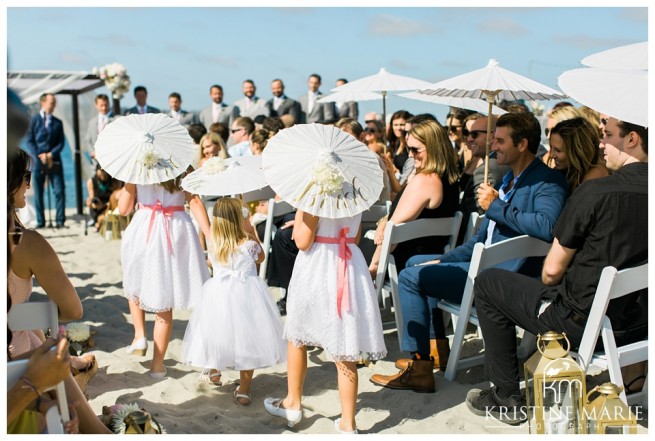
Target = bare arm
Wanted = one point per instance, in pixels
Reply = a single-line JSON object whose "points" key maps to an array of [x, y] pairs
{"points": [[304, 230], [127, 199], [89, 188], [199, 212], [35, 256], [556, 263]]}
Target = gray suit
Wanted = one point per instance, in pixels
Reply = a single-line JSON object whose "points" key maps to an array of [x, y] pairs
{"points": [[185, 118], [257, 107], [287, 107], [91, 135], [225, 117], [135, 109], [323, 113], [349, 109]]}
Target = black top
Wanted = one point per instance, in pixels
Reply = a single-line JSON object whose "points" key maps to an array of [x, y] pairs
{"points": [[606, 221], [399, 160], [432, 244]]}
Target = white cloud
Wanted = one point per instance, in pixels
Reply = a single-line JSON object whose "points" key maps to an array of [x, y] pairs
{"points": [[505, 26], [390, 25]]}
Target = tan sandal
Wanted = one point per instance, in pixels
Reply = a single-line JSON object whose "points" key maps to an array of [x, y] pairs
{"points": [[238, 397], [207, 376]]}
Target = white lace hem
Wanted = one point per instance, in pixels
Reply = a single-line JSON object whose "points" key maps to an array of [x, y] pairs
{"points": [[362, 355], [148, 308]]}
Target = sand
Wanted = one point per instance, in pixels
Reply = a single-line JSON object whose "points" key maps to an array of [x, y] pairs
{"points": [[184, 405]]}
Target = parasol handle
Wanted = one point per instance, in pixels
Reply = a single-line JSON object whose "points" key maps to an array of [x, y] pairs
{"points": [[384, 115], [490, 100]]}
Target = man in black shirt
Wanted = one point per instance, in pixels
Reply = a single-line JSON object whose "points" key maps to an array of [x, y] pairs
{"points": [[604, 223]]}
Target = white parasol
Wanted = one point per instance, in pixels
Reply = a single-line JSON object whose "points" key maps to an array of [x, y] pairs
{"points": [[322, 170], [350, 95], [461, 103], [226, 177], [145, 149], [492, 82], [383, 82], [632, 56], [620, 93]]}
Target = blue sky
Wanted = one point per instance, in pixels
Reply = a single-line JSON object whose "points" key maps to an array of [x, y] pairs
{"points": [[188, 49]]}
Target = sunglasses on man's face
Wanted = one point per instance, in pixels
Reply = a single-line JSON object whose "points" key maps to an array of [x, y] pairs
{"points": [[236, 130], [603, 121], [16, 235], [472, 133]]}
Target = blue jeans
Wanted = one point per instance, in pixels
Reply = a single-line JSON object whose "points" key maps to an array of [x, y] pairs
{"points": [[421, 287], [56, 181]]}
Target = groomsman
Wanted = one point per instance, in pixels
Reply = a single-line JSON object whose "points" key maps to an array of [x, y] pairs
{"points": [[313, 111], [177, 113], [45, 141], [141, 95], [218, 111], [251, 105], [98, 122], [346, 109], [281, 104]]}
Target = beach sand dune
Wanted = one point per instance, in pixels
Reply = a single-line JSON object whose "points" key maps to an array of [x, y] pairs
{"points": [[184, 405]]}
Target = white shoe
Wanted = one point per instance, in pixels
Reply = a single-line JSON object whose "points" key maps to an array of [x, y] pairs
{"points": [[337, 424], [272, 406], [138, 348], [157, 375]]}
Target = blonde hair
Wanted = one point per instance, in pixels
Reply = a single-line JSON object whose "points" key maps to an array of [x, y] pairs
{"points": [[441, 158], [227, 230], [215, 139]]}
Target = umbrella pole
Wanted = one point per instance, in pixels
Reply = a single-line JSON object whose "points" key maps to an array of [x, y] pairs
{"points": [[490, 99], [384, 116]]}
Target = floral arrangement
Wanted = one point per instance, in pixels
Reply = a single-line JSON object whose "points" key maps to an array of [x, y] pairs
{"points": [[328, 177], [80, 337], [115, 77], [537, 108], [214, 165], [130, 418], [245, 212], [150, 159]]}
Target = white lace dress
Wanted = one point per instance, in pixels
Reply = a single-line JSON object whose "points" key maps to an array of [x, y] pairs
{"points": [[157, 278], [235, 323], [312, 317]]}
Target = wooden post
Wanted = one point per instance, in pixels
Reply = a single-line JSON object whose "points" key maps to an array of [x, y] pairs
{"points": [[116, 106]]}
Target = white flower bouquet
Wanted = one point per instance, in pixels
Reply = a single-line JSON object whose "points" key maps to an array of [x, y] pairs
{"points": [[115, 77], [328, 177], [214, 166], [80, 337], [129, 418]]}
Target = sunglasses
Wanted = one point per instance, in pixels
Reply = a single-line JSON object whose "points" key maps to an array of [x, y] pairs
{"points": [[371, 130], [16, 235], [453, 128], [236, 130], [603, 121], [28, 177], [472, 133], [414, 150]]}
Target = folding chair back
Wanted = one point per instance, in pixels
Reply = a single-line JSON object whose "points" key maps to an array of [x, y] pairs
{"points": [[395, 234], [483, 258], [39, 315], [475, 220], [612, 285], [275, 208]]}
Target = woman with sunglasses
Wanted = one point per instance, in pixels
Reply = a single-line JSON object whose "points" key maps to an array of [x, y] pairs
{"points": [[34, 257], [374, 136], [431, 193], [574, 151]]}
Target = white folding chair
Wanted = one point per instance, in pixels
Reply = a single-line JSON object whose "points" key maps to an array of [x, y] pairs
{"points": [[39, 315], [475, 219], [613, 284], [275, 208], [483, 258], [375, 213], [395, 234], [15, 370]]}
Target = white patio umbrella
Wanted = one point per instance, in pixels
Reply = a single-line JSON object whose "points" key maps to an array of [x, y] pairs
{"points": [[632, 56], [226, 177], [350, 95], [145, 149], [492, 82], [620, 93], [322, 170], [478, 105], [382, 82]]}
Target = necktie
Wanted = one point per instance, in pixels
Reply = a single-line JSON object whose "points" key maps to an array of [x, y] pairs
{"points": [[102, 122], [46, 117]]}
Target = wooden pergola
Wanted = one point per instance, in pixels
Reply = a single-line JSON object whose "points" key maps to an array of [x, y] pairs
{"points": [[30, 85]]}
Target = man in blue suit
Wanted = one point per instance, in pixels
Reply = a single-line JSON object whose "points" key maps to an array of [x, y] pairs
{"points": [[45, 141], [528, 200]]}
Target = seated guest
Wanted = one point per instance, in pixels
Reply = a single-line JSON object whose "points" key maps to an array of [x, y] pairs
{"points": [[574, 151], [603, 224], [211, 145], [258, 141], [100, 188], [528, 200], [222, 130], [432, 193]]}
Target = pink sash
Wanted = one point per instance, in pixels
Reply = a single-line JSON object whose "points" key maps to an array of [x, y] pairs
{"points": [[343, 297], [167, 212]]}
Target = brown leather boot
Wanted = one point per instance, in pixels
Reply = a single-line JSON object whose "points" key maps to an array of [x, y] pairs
{"points": [[439, 350], [417, 376]]}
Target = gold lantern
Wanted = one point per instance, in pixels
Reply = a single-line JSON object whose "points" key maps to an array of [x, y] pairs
{"points": [[607, 414], [557, 388]]}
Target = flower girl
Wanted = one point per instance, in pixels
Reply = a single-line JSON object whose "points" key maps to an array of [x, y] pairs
{"points": [[235, 324]]}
